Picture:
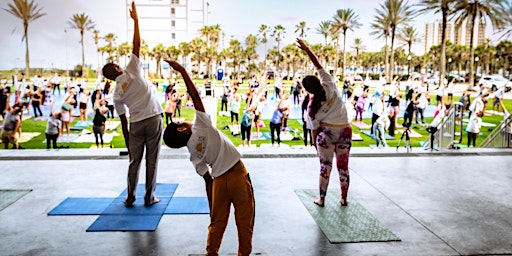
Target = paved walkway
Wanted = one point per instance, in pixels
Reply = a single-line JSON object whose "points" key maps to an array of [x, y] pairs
{"points": [[438, 203]]}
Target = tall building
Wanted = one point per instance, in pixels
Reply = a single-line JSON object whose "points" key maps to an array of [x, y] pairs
{"points": [[456, 34], [168, 22]]}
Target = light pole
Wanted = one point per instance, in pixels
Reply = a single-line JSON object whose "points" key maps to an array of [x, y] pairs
{"points": [[409, 58], [449, 64], [66, 32], [477, 65]]}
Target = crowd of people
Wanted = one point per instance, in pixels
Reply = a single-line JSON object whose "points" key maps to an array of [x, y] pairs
{"points": [[26, 97]]}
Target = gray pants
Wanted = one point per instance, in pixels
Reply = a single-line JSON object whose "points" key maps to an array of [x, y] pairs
{"points": [[146, 133]]}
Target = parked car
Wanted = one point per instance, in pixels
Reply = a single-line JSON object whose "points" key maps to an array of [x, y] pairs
{"points": [[493, 82]]}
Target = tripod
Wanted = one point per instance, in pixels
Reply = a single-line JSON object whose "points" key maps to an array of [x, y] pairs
{"points": [[407, 143]]}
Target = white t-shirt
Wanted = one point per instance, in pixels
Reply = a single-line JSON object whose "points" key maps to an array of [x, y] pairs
{"points": [[210, 148], [474, 124], [133, 92], [333, 110]]}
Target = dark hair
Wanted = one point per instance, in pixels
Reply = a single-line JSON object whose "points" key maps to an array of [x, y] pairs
{"points": [[312, 85], [109, 71], [173, 138]]}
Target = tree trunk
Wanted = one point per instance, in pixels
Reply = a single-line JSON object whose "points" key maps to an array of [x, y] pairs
{"points": [[343, 67], [386, 57], [472, 55], [392, 64], [27, 56], [83, 55]]}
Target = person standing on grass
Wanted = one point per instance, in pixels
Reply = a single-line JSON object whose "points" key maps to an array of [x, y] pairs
{"points": [[11, 129], [216, 159], [53, 128], [144, 130], [99, 121], [473, 128], [330, 126]]}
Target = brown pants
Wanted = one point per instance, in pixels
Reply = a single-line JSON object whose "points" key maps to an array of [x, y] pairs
{"points": [[233, 187]]}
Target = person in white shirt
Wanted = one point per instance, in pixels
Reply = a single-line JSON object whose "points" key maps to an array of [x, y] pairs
{"points": [[56, 83], [330, 126], [146, 125], [216, 159], [498, 98]]}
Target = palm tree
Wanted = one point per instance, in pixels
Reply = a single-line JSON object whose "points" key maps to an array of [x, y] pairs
{"points": [[157, 53], [278, 32], [324, 29], [96, 42], [262, 31], [443, 7], [481, 10], [380, 30], [301, 29], [185, 51], [345, 19], [399, 13], [409, 35], [27, 12], [358, 46], [83, 23]]}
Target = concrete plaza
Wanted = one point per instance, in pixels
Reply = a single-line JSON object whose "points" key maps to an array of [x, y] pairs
{"points": [[438, 203]]}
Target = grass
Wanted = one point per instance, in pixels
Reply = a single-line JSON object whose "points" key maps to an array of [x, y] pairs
{"points": [[31, 125]]}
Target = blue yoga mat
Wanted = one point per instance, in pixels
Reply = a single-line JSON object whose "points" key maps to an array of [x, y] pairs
{"points": [[161, 190], [118, 217], [125, 223], [188, 205], [81, 206]]}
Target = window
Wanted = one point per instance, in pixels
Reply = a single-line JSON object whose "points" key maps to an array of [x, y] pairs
{"points": [[173, 11], [173, 35], [175, 1], [173, 23]]}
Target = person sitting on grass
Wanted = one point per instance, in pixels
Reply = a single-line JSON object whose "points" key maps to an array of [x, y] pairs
{"points": [[216, 159]]}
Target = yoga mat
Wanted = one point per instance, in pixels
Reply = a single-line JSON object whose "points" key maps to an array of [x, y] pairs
{"points": [[188, 205], [81, 206], [388, 137], [284, 136], [9, 196], [361, 125], [118, 217], [344, 224], [356, 137], [27, 136], [412, 133], [125, 223], [484, 124]]}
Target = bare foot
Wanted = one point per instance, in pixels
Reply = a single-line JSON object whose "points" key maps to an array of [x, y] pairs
{"points": [[128, 202], [155, 200], [319, 202]]}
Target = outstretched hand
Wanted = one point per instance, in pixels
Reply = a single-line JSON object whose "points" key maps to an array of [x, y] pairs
{"points": [[133, 11], [301, 44], [175, 65]]}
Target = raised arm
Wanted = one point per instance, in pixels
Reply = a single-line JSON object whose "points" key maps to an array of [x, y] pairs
{"points": [[191, 87], [136, 32], [302, 45]]}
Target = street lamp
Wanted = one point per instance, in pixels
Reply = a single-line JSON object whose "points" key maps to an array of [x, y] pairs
{"points": [[476, 60], [409, 58], [449, 65]]}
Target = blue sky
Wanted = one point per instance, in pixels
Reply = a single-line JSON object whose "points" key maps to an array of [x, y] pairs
{"points": [[50, 46]]}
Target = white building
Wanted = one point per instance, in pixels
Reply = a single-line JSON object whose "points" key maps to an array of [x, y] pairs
{"points": [[457, 35]]}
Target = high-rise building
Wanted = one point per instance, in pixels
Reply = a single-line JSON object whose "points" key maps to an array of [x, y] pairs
{"points": [[168, 22], [456, 34]]}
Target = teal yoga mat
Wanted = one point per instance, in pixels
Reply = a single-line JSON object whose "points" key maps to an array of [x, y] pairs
{"points": [[349, 224]]}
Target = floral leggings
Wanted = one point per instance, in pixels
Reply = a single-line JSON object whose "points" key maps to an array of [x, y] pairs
{"points": [[334, 141]]}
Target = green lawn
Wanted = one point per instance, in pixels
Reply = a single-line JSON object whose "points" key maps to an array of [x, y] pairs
{"points": [[118, 142]]}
